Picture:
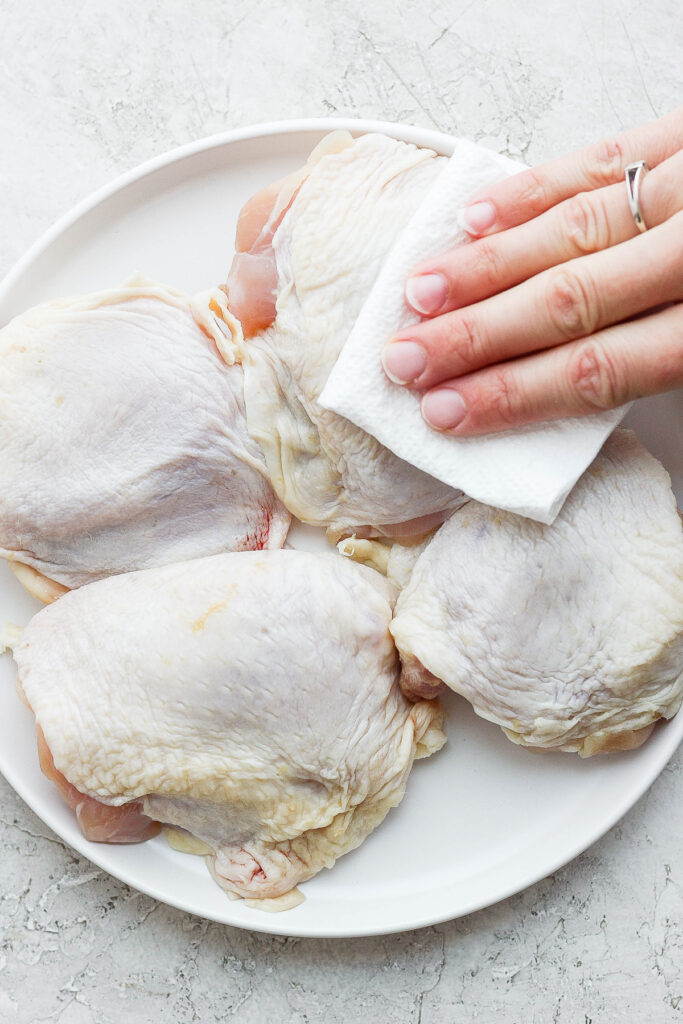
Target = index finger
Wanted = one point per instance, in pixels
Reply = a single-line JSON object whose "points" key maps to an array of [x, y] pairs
{"points": [[526, 195]]}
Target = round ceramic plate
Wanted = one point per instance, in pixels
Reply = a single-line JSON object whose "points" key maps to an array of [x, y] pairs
{"points": [[482, 819]]}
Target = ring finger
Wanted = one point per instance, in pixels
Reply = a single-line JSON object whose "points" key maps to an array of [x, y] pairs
{"points": [[586, 223]]}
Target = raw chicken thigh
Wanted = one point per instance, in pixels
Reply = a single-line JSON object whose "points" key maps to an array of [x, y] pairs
{"points": [[251, 699], [322, 260], [123, 438], [568, 636]]}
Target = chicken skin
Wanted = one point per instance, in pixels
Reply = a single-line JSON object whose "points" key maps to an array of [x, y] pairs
{"points": [[123, 438], [250, 699], [569, 636], [309, 250]]}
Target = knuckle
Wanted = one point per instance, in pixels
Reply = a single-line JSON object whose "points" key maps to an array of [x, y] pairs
{"points": [[489, 263], [605, 163], [468, 343], [572, 304], [593, 377], [502, 396], [585, 223], [534, 191]]}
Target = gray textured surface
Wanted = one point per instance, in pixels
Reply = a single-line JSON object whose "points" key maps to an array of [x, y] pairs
{"points": [[90, 89]]}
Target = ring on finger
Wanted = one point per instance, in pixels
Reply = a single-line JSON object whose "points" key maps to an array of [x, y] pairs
{"points": [[635, 173]]}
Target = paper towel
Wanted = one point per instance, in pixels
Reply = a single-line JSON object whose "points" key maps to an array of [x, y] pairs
{"points": [[529, 471]]}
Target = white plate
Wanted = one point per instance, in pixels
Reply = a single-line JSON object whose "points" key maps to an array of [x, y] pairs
{"points": [[481, 820]]}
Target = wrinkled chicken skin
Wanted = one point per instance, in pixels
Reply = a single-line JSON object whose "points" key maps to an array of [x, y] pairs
{"points": [[124, 438], [570, 636], [99, 822], [324, 243], [250, 699]]}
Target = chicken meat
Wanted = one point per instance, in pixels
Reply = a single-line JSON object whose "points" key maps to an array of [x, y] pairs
{"points": [[568, 636], [123, 438], [309, 250], [251, 700]]}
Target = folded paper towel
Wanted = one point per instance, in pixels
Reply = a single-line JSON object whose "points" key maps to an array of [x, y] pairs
{"points": [[529, 471]]}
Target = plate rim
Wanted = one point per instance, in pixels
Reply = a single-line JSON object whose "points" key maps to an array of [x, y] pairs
{"points": [[408, 133], [278, 924]]}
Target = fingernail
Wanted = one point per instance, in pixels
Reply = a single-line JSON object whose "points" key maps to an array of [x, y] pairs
{"points": [[404, 361], [426, 293], [478, 217], [443, 409]]}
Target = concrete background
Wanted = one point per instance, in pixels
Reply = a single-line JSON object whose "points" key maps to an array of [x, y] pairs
{"points": [[90, 89]]}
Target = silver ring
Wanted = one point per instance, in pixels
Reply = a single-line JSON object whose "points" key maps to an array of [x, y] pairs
{"points": [[634, 177]]}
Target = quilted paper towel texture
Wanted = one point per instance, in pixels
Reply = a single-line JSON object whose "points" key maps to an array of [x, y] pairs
{"points": [[529, 471]]}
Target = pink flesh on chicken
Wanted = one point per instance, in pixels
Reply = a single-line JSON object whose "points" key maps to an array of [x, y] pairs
{"points": [[252, 281], [99, 822], [417, 682]]}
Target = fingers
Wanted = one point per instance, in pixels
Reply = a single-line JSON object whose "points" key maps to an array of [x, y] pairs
{"points": [[570, 267], [559, 305], [596, 373], [585, 223], [530, 193]]}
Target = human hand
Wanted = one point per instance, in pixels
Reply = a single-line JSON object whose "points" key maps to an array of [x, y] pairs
{"points": [[559, 306]]}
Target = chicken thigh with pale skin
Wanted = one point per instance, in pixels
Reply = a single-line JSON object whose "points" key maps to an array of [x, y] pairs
{"points": [[250, 699], [309, 250], [570, 636], [123, 438]]}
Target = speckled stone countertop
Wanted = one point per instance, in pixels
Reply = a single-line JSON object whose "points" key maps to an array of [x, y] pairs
{"points": [[89, 89]]}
